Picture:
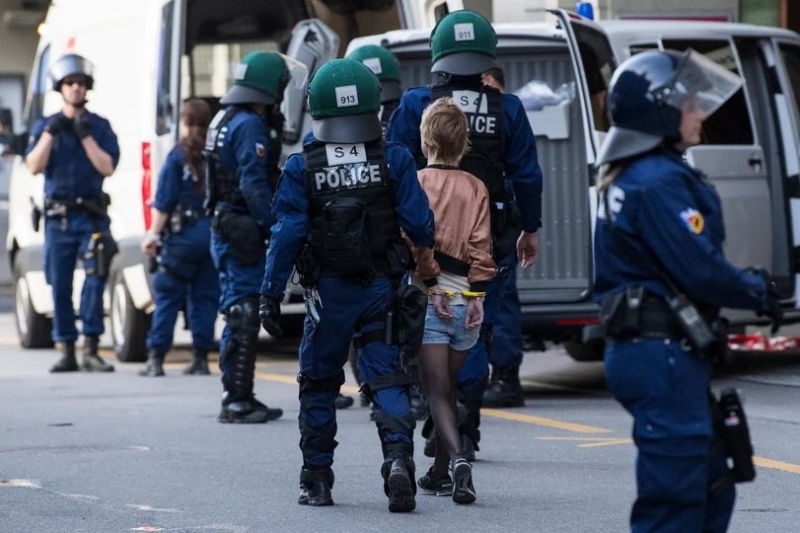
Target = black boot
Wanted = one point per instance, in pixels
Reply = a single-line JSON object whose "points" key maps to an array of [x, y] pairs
{"points": [[316, 485], [199, 364], [91, 361], [247, 411], [154, 365], [67, 363], [398, 475], [239, 405], [504, 389], [343, 402], [468, 448]]}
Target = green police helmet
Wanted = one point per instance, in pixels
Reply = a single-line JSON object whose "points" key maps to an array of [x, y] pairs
{"points": [[344, 98], [261, 78], [385, 65], [463, 43]]}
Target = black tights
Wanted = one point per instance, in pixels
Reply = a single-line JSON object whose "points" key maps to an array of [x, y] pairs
{"points": [[438, 369]]}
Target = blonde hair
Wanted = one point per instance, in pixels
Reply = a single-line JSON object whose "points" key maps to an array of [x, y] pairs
{"points": [[444, 131]]}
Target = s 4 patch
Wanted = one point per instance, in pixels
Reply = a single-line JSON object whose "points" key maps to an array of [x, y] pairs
{"points": [[694, 220], [261, 150]]}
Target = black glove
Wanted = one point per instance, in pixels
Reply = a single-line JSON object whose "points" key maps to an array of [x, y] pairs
{"points": [[58, 123], [81, 126], [269, 312], [771, 306]]}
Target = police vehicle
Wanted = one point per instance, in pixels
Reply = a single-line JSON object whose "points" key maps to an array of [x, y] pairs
{"points": [[560, 68], [148, 56]]}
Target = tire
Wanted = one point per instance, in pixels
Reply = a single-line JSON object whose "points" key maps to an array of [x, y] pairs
{"points": [[33, 329], [585, 352], [292, 325], [129, 325]]}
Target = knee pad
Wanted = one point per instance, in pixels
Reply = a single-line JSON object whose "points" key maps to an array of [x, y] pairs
{"points": [[327, 384], [387, 381]]}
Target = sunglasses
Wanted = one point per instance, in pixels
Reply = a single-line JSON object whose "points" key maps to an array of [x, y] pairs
{"points": [[75, 81]]}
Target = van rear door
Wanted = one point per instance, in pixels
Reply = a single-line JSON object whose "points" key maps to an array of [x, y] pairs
{"points": [[172, 17], [564, 274], [783, 62]]}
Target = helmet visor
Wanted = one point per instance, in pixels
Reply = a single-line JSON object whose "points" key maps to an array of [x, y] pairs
{"points": [[709, 83]]}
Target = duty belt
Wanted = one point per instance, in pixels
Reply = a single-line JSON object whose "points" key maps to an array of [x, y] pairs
{"points": [[61, 208], [656, 320]]}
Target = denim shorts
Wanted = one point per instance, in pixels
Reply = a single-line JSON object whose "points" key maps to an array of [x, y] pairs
{"points": [[451, 332]]}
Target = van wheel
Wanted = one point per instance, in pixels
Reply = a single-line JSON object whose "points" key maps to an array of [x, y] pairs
{"points": [[585, 352], [129, 325], [292, 325], [34, 329]]}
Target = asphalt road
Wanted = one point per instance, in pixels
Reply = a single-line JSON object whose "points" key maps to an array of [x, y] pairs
{"points": [[117, 452]]}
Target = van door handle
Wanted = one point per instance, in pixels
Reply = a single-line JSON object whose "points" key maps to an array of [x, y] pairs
{"points": [[755, 162]]}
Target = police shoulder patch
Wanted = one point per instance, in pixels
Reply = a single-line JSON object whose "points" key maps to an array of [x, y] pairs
{"points": [[261, 150], [694, 220]]}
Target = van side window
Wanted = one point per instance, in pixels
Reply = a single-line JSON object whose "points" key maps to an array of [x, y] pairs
{"points": [[791, 58], [164, 108], [40, 84], [730, 124]]}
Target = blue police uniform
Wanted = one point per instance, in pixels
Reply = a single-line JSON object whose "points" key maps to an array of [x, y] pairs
{"points": [[187, 275], [244, 151], [238, 247], [660, 220], [524, 176], [345, 301], [70, 177]]}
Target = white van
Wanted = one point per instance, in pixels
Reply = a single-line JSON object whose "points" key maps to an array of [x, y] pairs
{"points": [[148, 56], [561, 69]]}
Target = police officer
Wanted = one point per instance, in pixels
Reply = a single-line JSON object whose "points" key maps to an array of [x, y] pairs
{"points": [[502, 154], [660, 235], [505, 357], [342, 203], [241, 154], [179, 238], [386, 67], [76, 149]]}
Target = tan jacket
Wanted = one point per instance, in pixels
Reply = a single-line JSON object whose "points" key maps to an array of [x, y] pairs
{"points": [[460, 205]]}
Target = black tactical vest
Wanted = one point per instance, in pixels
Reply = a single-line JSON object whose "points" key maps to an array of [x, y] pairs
{"points": [[484, 110], [352, 217], [221, 185]]}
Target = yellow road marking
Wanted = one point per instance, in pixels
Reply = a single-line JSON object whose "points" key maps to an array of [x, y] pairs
{"points": [[292, 380], [777, 465], [557, 424], [593, 442], [541, 421], [763, 462]]}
